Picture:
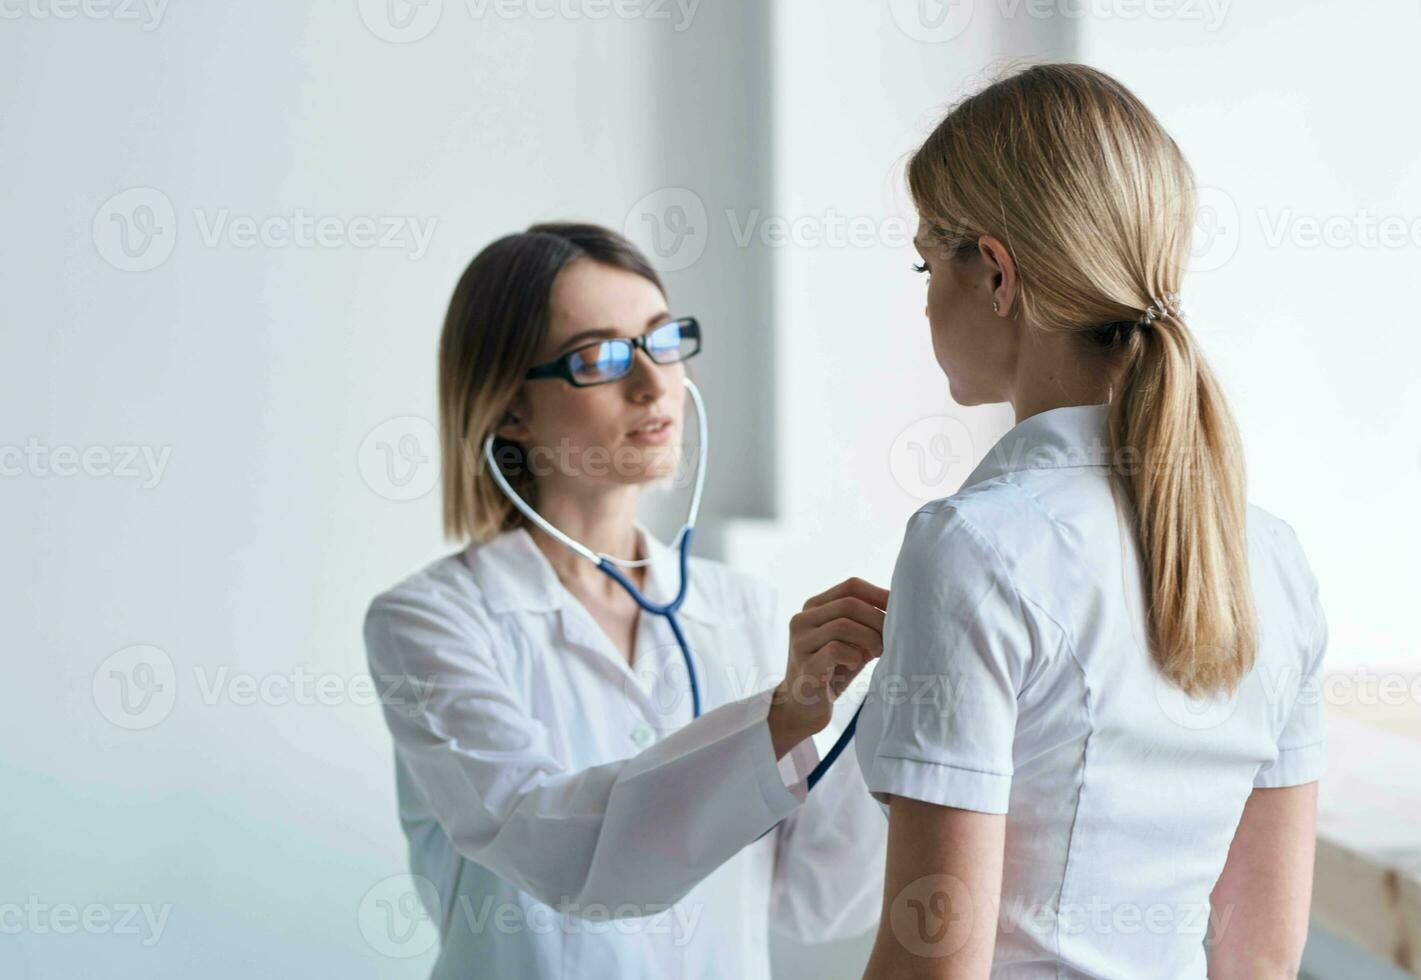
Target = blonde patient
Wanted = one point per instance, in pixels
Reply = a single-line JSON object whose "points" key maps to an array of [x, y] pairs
{"points": [[1112, 777]]}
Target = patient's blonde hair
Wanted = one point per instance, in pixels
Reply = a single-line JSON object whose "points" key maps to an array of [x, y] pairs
{"points": [[1095, 203]]}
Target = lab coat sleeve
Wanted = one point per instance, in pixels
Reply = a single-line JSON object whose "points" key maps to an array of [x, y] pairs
{"points": [[829, 859], [634, 835]]}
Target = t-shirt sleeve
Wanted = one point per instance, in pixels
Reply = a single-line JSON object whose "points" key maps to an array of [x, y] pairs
{"points": [[1302, 745], [957, 650]]}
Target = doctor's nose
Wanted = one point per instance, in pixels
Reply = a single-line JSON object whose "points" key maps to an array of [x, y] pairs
{"points": [[647, 380]]}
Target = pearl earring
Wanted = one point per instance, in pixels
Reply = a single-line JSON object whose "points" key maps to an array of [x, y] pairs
{"points": [[994, 307]]}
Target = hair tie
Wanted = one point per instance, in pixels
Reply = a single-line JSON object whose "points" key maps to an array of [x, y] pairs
{"points": [[1169, 303]]}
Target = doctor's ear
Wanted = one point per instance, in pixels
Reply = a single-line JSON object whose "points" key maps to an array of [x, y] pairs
{"points": [[512, 425]]}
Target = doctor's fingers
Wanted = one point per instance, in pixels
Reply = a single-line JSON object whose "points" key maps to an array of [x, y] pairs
{"points": [[843, 676], [827, 670], [837, 658], [867, 638], [866, 591], [847, 609], [850, 607]]}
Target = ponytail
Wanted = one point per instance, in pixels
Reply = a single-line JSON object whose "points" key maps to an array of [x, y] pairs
{"points": [[1185, 485]]}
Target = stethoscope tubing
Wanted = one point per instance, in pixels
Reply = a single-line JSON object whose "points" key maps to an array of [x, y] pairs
{"points": [[667, 610]]}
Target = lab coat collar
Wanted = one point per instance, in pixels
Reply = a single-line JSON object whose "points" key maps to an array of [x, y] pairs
{"points": [[1073, 435], [514, 574]]}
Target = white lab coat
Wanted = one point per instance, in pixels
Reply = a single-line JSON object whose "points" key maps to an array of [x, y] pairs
{"points": [[571, 816]]}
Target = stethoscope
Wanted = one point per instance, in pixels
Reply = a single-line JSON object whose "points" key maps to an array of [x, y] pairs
{"points": [[608, 564]]}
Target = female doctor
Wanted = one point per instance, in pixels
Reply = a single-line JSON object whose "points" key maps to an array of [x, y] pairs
{"points": [[571, 813]]}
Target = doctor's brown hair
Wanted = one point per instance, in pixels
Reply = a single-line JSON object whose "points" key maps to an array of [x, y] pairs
{"points": [[496, 324], [1095, 203]]}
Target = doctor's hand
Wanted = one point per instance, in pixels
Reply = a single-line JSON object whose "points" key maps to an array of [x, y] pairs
{"points": [[830, 640]]}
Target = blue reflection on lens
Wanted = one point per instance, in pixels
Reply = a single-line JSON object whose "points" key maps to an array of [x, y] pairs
{"points": [[610, 359]]}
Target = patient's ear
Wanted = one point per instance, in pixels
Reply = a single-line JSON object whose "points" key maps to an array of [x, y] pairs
{"points": [[1003, 283]]}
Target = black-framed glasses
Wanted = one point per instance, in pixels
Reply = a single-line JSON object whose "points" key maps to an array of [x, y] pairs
{"points": [[607, 360]]}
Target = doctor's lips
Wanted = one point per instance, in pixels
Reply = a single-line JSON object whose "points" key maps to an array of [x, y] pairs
{"points": [[652, 431]]}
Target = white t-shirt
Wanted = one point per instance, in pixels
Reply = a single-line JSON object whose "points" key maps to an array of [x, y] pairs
{"points": [[1015, 679], [566, 816]]}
